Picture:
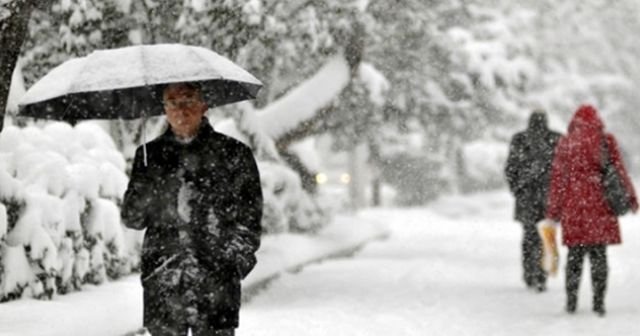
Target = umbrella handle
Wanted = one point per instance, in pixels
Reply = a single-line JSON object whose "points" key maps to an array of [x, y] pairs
{"points": [[144, 137], [144, 149]]}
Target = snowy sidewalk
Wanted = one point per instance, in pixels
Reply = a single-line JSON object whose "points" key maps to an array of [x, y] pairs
{"points": [[452, 268], [116, 308]]}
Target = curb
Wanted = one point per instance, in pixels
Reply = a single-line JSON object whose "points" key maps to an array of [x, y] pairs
{"points": [[254, 288]]}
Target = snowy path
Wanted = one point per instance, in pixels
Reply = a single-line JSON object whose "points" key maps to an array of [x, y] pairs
{"points": [[450, 269], [115, 308]]}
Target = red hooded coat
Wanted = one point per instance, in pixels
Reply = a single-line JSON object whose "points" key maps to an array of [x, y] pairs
{"points": [[576, 195]]}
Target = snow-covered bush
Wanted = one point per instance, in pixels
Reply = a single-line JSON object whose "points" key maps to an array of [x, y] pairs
{"points": [[60, 187], [483, 167], [416, 178], [287, 206]]}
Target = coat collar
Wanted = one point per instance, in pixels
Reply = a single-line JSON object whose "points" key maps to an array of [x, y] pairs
{"points": [[205, 131]]}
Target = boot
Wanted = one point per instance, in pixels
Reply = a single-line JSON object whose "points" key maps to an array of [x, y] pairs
{"points": [[572, 304], [598, 307], [600, 311]]}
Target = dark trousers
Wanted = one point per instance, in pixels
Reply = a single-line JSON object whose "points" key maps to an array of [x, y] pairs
{"points": [[534, 275], [182, 330], [170, 313], [599, 272]]}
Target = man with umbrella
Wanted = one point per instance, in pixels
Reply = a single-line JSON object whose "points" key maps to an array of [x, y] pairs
{"points": [[195, 191], [199, 198]]}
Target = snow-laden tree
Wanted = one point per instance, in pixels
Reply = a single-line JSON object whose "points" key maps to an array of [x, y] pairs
{"points": [[456, 70], [588, 53], [282, 43], [469, 71], [72, 28], [14, 18]]}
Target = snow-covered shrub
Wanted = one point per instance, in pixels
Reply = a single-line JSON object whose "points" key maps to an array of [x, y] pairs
{"points": [[307, 215], [416, 178], [287, 207], [59, 219], [484, 162], [3, 221]]}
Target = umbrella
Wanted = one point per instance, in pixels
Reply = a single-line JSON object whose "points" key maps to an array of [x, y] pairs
{"points": [[127, 83]]}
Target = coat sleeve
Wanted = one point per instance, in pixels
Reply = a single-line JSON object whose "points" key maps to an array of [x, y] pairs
{"points": [[618, 163], [557, 185], [513, 167], [138, 198], [244, 237]]}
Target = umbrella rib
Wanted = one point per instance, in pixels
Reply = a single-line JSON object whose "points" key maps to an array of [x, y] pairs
{"points": [[144, 66], [220, 77], [144, 117], [72, 87], [245, 84], [203, 59]]}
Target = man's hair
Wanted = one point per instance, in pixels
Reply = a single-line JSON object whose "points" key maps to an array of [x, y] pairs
{"points": [[191, 86]]}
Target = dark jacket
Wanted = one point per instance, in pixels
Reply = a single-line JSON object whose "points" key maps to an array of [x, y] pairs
{"points": [[216, 222], [576, 198], [528, 168]]}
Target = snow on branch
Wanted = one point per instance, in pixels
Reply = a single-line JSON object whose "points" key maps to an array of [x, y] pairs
{"points": [[303, 102], [376, 83], [16, 90]]}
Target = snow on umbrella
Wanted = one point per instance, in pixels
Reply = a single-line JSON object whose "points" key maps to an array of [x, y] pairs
{"points": [[127, 83]]}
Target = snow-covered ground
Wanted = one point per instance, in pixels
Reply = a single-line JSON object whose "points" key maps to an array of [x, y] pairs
{"points": [[115, 308], [449, 269]]}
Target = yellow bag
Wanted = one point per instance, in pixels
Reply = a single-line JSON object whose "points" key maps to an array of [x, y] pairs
{"points": [[550, 257]]}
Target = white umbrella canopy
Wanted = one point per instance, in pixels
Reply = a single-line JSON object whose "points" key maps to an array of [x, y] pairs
{"points": [[127, 83]]}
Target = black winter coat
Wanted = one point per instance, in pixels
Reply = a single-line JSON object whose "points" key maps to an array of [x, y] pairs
{"points": [[528, 168], [218, 225]]}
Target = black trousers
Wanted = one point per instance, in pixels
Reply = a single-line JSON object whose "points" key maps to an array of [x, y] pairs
{"points": [[171, 308], [599, 272], [533, 275], [182, 330]]}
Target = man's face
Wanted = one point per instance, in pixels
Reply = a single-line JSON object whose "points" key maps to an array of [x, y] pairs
{"points": [[184, 109]]}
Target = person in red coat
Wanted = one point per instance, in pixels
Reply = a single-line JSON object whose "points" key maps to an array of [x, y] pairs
{"points": [[576, 200]]}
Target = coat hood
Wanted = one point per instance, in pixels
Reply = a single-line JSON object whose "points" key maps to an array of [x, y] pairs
{"points": [[538, 122], [586, 117]]}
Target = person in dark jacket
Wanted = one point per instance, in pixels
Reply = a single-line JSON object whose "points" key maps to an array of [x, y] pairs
{"points": [[577, 201], [199, 198], [527, 170]]}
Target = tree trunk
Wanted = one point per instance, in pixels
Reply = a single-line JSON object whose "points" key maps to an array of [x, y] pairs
{"points": [[375, 163], [13, 31], [358, 176]]}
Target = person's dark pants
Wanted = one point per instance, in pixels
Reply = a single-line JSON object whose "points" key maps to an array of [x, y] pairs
{"points": [[534, 274], [168, 313], [170, 326], [183, 331], [599, 272]]}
